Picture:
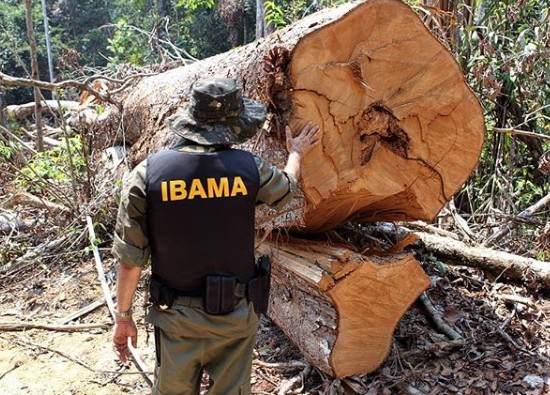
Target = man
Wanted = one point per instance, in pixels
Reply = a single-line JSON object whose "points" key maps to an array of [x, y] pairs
{"points": [[191, 209]]}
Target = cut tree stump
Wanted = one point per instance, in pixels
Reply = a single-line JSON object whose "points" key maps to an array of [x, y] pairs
{"points": [[401, 130], [339, 307]]}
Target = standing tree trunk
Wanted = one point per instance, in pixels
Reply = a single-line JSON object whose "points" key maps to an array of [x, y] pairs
{"points": [[35, 76], [2, 105], [260, 19]]}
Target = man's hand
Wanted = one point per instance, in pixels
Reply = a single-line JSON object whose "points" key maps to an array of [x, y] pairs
{"points": [[304, 141], [123, 330], [299, 146]]}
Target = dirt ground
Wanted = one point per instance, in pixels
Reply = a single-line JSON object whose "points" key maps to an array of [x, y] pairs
{"points": [[505, 346]]}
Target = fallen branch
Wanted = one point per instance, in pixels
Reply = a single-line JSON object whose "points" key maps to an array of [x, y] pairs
{"points": [[281, 365], [437, 320], [10, 222], [85, 310], [22, 111], [28, 199], [500, 263], [10, 81], [41, 249], [61, 353], [515, 299], [434, 349], [522, 133], [21, 326], [513, 222], [109, 300]]}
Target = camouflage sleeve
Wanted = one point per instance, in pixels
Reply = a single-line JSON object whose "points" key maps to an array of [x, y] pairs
{"points": [[131, 243], [276, 186]]}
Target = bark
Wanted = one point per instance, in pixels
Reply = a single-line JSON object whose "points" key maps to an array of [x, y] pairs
{"points": [[401, 130], [339, 307]]}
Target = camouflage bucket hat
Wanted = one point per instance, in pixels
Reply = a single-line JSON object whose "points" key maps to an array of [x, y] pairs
{"points": [[217, 114]]}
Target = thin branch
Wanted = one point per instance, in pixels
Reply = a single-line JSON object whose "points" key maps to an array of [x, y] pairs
{"points": [[85, 310], [522, 133], [10, 81], [21, 326], [436, 318], [61, 353], [513, 222]]}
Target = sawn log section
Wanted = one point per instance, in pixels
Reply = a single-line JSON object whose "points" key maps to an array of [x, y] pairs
{"points": [[339, 307]]}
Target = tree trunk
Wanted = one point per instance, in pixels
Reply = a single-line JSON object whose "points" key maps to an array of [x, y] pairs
{"points": [[401, 130], [35, 75], [339, 307]]}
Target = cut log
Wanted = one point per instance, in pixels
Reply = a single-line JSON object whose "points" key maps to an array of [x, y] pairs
{"points": [[401, 130], [342, 323]]}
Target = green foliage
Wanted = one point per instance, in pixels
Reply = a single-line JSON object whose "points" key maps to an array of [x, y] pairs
{"points": [[54, 165], [203, 33], [5, 150], [274, 14], [279, 13], [127, 45], [194, 5]]}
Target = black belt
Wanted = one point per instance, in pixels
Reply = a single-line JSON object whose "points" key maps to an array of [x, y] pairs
{"points": [[240, 292]]}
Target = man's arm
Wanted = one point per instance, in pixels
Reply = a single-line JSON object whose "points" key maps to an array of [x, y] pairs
{"points": [[131, 248], [127, 282]]}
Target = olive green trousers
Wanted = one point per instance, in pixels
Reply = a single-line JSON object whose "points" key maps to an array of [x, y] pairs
{"points": [[189, 341]]}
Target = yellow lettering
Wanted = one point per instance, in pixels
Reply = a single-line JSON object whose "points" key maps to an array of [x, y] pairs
{"points": [[218, 189], [164, 191], [215, 188], [239, 187], [177, 190], [197, 189]]}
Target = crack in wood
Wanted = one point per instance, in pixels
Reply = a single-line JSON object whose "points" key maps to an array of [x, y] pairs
{"points": [[378, 124]]}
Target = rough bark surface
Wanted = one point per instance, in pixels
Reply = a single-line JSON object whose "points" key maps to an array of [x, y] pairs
{"points": [[401, 130], [339, 307]]}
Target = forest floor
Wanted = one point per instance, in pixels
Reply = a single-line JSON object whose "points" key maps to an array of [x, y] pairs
{"points": [[504, 346]]}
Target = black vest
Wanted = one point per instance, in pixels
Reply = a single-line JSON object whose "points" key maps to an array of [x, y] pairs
{"points": [[200, 212]]}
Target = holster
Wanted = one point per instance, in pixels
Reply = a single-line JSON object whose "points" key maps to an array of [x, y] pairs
{"points": [[259, 286], [161, 295]]}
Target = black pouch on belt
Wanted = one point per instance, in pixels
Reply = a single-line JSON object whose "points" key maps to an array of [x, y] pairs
{"points": [[219, 295], [259, 286], [161, 295]]}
